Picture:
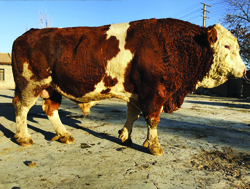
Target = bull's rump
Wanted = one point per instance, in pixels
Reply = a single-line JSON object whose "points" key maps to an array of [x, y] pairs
{"points": [[77, 59]]}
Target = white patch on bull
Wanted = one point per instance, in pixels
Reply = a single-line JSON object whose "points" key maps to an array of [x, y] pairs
{"points": [[49, 70], [27, 74], [116, 68], [227, 62]]}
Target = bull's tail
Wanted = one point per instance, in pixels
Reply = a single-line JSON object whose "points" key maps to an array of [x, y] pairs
{"points": [[20, 81]]}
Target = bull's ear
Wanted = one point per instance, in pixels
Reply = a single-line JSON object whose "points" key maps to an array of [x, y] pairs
{"points": [[212, 36]]}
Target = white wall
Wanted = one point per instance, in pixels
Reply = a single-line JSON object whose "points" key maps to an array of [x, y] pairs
{"points": [[8, 82]]}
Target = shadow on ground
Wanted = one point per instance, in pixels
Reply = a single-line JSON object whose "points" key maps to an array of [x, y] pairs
{"points": [[108, 114]]}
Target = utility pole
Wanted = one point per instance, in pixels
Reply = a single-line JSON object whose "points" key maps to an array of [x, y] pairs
{"points": [[204, 14]]}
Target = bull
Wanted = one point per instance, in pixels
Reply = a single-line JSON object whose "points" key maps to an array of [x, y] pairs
{"points": [[152, 64]]}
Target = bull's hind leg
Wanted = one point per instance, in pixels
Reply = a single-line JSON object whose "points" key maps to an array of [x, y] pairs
{"points": [[50, 107], [133, 113], [22, 102]]}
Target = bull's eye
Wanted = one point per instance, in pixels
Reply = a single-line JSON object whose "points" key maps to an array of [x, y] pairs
{"points": [[227, 47]]}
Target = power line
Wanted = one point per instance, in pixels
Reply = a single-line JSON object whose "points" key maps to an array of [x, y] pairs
{"points": [[218, 3], [190, 14], [194, 18], [184, 11]]}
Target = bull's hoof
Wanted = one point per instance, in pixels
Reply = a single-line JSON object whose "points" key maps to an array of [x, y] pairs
{"points": [[24, 141], [67, 138], [154, 148], [125, 139]]}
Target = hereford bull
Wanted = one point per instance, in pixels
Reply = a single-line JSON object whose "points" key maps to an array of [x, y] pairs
{"points": [[152, 64]]}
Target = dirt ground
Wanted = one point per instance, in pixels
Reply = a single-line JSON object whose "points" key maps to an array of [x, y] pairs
{"points": [[206, 144]]}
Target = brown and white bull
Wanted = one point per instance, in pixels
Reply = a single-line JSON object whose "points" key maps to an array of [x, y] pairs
{"points": [[152, 64]]}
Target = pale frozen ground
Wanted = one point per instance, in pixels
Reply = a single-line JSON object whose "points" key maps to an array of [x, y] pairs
{"points": [[203, 123]]}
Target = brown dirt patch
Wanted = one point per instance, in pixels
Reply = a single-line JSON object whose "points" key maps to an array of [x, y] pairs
{"points": [[231, 163]]}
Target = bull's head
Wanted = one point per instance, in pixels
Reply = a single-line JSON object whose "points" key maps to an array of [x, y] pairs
{"points": [[227, 62]]}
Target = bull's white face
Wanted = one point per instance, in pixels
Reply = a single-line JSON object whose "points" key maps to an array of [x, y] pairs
{"points": [[227, 62]]}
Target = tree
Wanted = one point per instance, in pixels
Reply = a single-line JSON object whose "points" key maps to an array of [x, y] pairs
{"points": [[44, 21], [238, 22]]}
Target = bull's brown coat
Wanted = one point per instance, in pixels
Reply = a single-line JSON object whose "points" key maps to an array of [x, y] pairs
{"points": [[76, 57], [168, 64], [153, 64]]}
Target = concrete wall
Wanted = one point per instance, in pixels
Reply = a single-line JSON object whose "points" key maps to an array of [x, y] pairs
{"points": [[231, 88], [235, 88], [8, 82], [221, 90], [246, 87]]}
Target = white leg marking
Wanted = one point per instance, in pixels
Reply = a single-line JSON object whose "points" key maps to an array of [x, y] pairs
{"points": [[152, 133], [21, 122], [57, 124], [21, 110], [133, 113]]}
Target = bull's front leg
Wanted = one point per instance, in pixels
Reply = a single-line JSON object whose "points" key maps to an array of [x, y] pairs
{"points": [[133, 113], [152, 142]]}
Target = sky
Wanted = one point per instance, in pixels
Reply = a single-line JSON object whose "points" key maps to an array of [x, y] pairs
{"points": [[18, 16]]}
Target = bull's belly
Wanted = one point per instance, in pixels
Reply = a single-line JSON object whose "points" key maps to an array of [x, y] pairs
{"points": [[100, 93]]}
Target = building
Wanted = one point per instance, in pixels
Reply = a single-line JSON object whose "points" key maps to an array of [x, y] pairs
{"points": [[246, 86], [231, 88], [6, 76]]}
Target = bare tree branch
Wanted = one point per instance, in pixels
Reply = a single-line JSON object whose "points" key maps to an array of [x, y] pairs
{"points": [[242, 18], [238, 22], [44, 21]]}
